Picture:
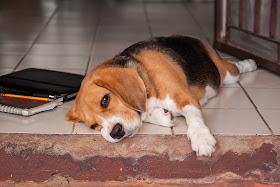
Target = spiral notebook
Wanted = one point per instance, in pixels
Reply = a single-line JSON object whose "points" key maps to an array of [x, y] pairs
{"points": [[59, 86]]}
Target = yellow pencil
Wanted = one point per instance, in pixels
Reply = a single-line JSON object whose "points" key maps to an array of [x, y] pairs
{"points": [[25, 97]]}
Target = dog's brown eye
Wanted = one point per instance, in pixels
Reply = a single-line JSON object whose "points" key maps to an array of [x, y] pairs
{"points": [[105, 101]]}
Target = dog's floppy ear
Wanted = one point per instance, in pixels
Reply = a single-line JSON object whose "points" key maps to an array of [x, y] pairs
{"points": [[72, 115], [126, 84]]}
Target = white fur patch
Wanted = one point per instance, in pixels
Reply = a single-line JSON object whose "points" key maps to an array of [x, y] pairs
{"points": [[210, 92], [246, 65], [167, 103], [155, 111], [229, 79], [109, 123], [158, 116], [202, 141]]}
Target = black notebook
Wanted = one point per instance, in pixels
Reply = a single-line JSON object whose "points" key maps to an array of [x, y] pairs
{"points": [[56, 85]]}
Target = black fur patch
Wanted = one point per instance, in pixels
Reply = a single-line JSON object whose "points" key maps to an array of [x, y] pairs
{"points": [[189, 53]]}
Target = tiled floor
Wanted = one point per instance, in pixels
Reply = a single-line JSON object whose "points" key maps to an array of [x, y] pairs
{"points": [[74, 36]]}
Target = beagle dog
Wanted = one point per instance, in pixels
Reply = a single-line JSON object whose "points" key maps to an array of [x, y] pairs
{"points": [[152, 81]]}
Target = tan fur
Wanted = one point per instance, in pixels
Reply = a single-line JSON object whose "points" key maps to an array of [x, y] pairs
{"points": [[199, 93], [171, 77], [222, 65], [101, 82]]}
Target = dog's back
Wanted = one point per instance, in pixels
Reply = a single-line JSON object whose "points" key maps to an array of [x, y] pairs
{"points": [[189, 53]]}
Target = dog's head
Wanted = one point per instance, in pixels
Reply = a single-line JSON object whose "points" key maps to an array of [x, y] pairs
{"points": [[113, 99]]}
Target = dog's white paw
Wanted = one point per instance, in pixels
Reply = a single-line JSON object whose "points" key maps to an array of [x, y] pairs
{"points": [[160, 116], [246, 65], [202, 141]]}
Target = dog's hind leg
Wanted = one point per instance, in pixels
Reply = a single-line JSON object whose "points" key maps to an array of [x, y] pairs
{"points": [[246, 65], [233, 70], [230, 71]]}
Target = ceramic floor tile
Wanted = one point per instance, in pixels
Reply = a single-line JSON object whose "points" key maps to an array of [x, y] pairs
{"points": [[24, 27], [260, 78], [54, 61], [32, 8], [124, 22], [43, 123], [66, 38], [117, 8], [174, 30], [12, 18], [82, 128], [231, 58], [59, 29], [228, 122], [9, 61], [172, 25], [77, 15], [20, 36], [163, 8], [234, 85], [227, 57], [68, 104], [181, 126], [230, 98], [203, 13], [272, 117], [235, 122], [87, 23], [4, 71], [148, 128], [173, 21], [109, 49], [61, 49], [96, 60], [122, 35], [265, 98], [14, 47]]}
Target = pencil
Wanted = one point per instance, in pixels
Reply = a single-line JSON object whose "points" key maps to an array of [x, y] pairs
{"points": [[30, 94], [25, 97]]}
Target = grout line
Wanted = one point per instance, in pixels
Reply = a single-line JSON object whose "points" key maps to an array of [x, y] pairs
{"points": [[172, 131], [267, 125], [73, 128], [35, 40], [147, 18], [93, 42]]}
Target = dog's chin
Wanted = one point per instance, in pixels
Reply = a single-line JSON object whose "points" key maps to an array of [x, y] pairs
{"points": [[128, 133]]}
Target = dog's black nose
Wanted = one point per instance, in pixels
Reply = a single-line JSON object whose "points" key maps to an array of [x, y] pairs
{"points": [[117, 132]]}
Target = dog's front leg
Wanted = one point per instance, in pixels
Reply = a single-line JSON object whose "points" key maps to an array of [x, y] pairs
{"points": [[202, 141], [159, 116]]}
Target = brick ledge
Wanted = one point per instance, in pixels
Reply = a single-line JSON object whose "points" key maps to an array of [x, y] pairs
{"points": [[143, 159]]}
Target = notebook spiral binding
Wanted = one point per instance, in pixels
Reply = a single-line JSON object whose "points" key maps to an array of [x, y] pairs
{"points": [[10, 109]]}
